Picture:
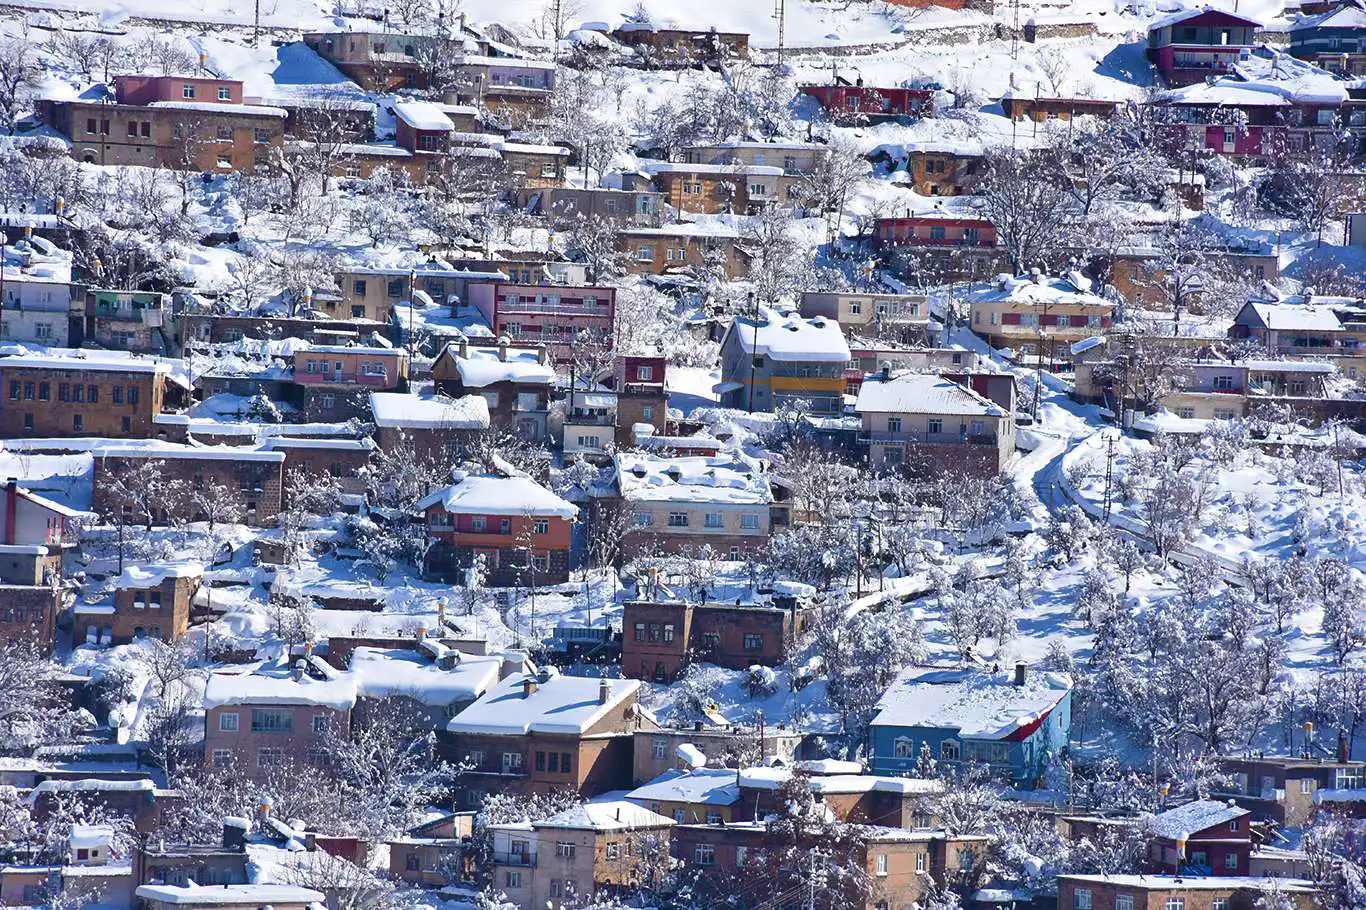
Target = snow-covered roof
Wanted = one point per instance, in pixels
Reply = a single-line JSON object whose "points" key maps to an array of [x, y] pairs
{"points": [[1286, 317], [789, 337], [678, 167], [557, 704], [1039, 291], [83, 359], [257, 110], [150, 576], [366, 350], [87, 836], [1288, 366], [482, 366], [1346, 16], [976, 703], [1185, 15], [488, 494], [1264, 78], [279, 689], [1195, 882], [735, 480], [703, 786], [512, 62], [773, 778], [389, 672], [230, 895], [429, 411], [608, 815], [532, 148], [93, 784], [1194, 817], [423, 115], [922, 393], [830, 766]]}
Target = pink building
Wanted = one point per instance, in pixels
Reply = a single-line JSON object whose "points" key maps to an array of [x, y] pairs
{"points": [[261, 722], [933, 230], [143, 90], [374, 368], [552, 315]]}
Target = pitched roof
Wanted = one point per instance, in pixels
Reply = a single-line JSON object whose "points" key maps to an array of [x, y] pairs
{"points": [[487, 494], [1194, 817], [703, 786], [922, 393], [609, 815], [1285, 317], [976, 703], [557, 704]]}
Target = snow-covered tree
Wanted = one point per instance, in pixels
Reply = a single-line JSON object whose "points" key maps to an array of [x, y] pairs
{"points": [[1028, 202]]}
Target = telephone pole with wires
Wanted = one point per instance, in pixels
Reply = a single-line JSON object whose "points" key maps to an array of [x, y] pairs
{"points": [[1109, 474], [780, 14]]}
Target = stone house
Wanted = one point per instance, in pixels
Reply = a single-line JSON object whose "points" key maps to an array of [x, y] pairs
{"points": [[661, 638], [513, 381], [61, 393], [150, 601], [253, 476]]}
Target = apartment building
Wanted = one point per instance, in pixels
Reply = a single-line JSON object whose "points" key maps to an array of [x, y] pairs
{"points": [[565, 206], [516, 530], [678, 504], [559, 317], [938, 247], [711, 189], [571, 856], [543, 731], [1039, 316], [928, 424], [684, 250], [513, 381], [260, 723], [1191, 44], [642, 395], [1288, 790], [336, 381], [183, 122], [140, 322], [779, 359], [661, 638], [1168, 892], [373, 293], [64, 393], [792, 157], [880, 314], [511, 89]]}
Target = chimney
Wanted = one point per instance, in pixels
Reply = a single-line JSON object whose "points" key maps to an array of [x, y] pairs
{"points": [[449, 660], [604, 691], [421, 633], [542, 355], [1021, 671], [298, 671], [503, 348], [464, 347], [1344, 747], [235, 834], [529, 685]]}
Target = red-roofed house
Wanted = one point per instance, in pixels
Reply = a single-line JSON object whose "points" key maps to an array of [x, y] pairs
{"points": [[1194, 43]]}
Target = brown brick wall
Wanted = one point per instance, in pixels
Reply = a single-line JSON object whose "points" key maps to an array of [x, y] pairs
{"points": [[246, 745], [255, 483], [29, 614], [166, 622], [24, 412]]}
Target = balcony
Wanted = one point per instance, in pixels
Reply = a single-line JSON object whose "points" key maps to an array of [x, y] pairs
{"points": [[643, 388], [525, 860], [602, 309], [587, 420]]}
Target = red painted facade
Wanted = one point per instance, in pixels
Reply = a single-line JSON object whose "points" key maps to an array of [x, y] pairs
{"points": [[933, 231], [866, 102]]}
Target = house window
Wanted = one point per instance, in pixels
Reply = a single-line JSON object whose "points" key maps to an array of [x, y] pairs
{"points": [[1223, 383], [512, 880], [881, 864], [477, 524], [224, 93], [564, 850], [668, 632], [222, 758], [1081, 899], [704, 855], [1175, 903], [713, 520], [949, 749], [1126, 902], [227, 723], [904, 747], [224, 133], [1306, 785], [321, 723], [270, 758], [187, 90], [541, 526], [749, 521], [647, 412], [893, 424], [613, 850], [920, 862], [659, 749], [678, 519], [77, 423], [540, 761], [1231, 861], [271, 720], [512, 761], [1233, 825], [754, 642], [645, 253], [936, 425], [1218, 903]]}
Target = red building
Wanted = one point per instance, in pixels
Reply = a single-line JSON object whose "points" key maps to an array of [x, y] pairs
{"points": [[1204, 837], [1195, 43], [858, 102], [522, 531], [660, 638], [642, 395], [557, 316], [933, 230]]}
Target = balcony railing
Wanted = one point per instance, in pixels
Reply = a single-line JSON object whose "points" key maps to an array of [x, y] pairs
{"points": [[585, 420], [643, 388], [601, 308], [941, 241], [527, 860]]}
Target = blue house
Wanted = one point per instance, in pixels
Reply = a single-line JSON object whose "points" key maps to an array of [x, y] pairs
{"points": [[1335, 40], [1014, 723]]}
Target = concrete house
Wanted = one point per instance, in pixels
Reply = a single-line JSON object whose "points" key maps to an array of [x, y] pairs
{"points": [[926, 424], [1191, 44], [34, 531], [513, 381], [661, 638], [64, 392], [1038, 315], [1202, 837], [560, 317], [579, 852], [1015, 723], [779, 359], [537, 732]]}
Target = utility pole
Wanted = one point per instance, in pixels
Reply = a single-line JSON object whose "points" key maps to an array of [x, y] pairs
{"points": [[780, 13], [1109, 473]]}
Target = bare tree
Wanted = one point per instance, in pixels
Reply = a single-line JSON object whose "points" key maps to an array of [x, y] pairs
{"points": [[1027, 201], [20, 76]]}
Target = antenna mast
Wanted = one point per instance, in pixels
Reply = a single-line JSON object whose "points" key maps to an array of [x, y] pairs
{"points": [[780, 13]]}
